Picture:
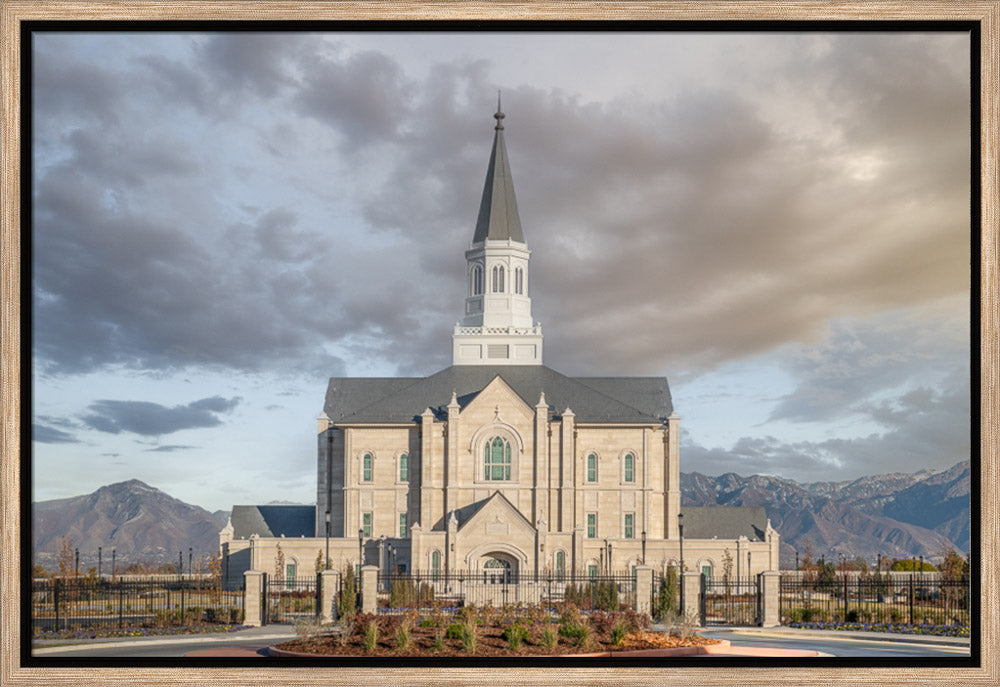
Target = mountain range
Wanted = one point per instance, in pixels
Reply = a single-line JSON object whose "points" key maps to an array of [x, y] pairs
{"points": [[896, 515]]}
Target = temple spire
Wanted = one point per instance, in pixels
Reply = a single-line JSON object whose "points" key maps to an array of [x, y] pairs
{"points": [[498, 217], [496, 327]]}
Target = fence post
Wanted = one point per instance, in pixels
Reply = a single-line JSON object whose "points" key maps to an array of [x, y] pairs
{"points": [[55, 600], [329, 585], [847, 595], [369, 582], [911, 598], [643, 589], [253, 588], [770, 591], [691, 586]]}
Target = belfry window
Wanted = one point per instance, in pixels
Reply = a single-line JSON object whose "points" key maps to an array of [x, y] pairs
{"points": [[498, 279], [496, 459], [519, 281], [476, 279]]}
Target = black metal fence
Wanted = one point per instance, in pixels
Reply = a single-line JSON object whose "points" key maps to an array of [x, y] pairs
{"points": [[885, 600], [731, 602], [286, 600], [427, 591], [84, 603]]}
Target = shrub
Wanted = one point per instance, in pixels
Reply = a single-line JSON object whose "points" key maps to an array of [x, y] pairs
{"points": [[438, 643], [469, 639], [348, 601], [515, 636], [618, 633], [577, 633], [403, 637], [455, 631], [549, 639], [370, 636]]}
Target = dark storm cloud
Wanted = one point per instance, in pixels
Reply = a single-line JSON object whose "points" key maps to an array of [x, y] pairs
{"points": [[50, 435], [152, 419], [665, 234], [923, 427]]}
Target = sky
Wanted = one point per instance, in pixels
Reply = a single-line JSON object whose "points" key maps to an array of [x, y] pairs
{"points": [[777, 223]]}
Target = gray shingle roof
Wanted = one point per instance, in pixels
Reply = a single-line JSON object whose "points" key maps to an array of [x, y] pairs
{"points": [[592, 399], [273, 521], [498, 218], [724, 522]]}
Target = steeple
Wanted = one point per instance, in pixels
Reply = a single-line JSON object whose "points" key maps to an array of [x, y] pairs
{"points": [[498, 218], [496, 328]]}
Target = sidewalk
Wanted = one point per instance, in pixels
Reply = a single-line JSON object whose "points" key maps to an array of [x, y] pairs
{"points": [[267, 635], [781, 631]]}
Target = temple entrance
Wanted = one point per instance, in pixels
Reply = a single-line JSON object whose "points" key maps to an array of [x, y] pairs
{"points": [[498, 568]]}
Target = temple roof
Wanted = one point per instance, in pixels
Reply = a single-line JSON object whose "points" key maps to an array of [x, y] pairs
{"points": [[592, 399]]}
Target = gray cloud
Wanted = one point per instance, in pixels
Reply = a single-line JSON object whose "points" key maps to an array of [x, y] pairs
{"points": [[170, 448], [697, 229], [50, 435], [152, 419]]}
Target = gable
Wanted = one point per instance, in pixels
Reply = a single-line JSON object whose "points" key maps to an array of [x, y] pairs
{"points": [[497, 517], [497, 401]]}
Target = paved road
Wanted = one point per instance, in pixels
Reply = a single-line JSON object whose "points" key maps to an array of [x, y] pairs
{"points": [[247, 643], [848, 644]]}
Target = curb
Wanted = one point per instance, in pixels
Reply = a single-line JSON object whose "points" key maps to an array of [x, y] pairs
{"points": [[723, 648], [174, 639], [843, 634]]}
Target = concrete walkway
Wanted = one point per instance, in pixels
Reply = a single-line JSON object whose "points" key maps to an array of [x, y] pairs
{"points": [[269, 634], [782, 631]]}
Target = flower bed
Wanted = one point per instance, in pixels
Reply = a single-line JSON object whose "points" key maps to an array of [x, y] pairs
{"points": [[488, 632], [899, 628]]}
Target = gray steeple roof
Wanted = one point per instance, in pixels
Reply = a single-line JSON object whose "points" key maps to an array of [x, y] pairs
{"points": [[498, 218], [724, 522], [273, 521]]}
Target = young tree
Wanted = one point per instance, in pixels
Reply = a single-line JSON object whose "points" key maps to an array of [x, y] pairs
{"points": [[64, 558], [279, 564], [319, 561]]}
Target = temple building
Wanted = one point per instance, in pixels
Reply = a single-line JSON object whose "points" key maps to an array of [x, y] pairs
{"points": [[498, 463]]}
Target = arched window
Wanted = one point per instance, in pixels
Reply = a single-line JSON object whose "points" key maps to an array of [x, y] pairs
{"points": [[496, 459], [404, 467], [476, 280], [560, 565], [366, 468], [498, 279], [435, 563], [591, 467], [629, 467], [519, 281]]}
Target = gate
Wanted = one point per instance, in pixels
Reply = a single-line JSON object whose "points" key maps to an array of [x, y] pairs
{"points": [[731, 602], [285, 601]]}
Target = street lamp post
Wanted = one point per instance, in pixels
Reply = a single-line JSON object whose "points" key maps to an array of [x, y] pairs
{"points": [[796, 560], [190, 556], [100, 563], [680, 529], [361, 548], [180, 562], [327, 538], [76, 564], [114, 552], [644, 547]]}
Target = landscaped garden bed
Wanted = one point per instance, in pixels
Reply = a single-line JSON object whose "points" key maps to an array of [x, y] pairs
{"points": [[489, 631]]}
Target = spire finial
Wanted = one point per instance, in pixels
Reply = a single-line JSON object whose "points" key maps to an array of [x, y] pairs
{"points": [[499, 115]]}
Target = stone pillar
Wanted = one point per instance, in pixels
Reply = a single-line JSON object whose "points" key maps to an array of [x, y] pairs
{"points": [[369, 588], [643, 589], [329, 588], [252, 597], [770, 590], [691, 591]]}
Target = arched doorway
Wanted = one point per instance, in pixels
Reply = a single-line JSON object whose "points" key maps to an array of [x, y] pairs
{"points": [[498, 568]]}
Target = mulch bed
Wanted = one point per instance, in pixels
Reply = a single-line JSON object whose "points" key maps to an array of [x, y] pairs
{"points": [[490, 641]]}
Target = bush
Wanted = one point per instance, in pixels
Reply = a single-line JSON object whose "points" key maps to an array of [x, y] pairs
{"points": [[577, 633], [370, 637], [469, 639], [347, 604], [618, 633], [549, 639], [515, 636]]}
